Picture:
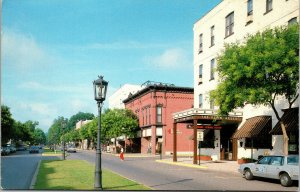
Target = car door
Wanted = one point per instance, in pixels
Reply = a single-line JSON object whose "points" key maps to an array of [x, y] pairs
{"points": [[274, 167], [260, 168]]}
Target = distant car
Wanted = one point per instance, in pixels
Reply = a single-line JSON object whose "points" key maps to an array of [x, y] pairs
{"points": [[21, 148], [71, 150], [284, 168], [12, 149], [34, 149], [6, 150]]}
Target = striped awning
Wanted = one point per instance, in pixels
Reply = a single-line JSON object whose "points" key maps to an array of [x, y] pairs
{"points": [[290, 119], [254, 127]]}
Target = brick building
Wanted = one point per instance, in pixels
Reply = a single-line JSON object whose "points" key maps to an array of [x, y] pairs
{"points": [[154, 106]]}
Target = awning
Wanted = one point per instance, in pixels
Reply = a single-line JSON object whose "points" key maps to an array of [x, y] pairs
{"points": [[290, 119], [254, 127]]}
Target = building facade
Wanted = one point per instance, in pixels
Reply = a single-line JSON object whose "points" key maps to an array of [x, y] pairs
{"points": [[84, 144], [116, 99], [154, 106], [229, 22]]}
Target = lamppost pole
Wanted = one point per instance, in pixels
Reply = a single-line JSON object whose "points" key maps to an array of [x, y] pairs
{"points": [[98, 170], [63, 140], [100, 89]]}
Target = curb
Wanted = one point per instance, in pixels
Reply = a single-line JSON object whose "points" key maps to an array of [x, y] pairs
{"points": [[33, 180], [182, 164]]}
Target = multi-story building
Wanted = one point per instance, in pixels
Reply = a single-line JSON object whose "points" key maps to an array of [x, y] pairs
{"points": [[84, 144], [116, 99], [154, 106], [231, 21]]}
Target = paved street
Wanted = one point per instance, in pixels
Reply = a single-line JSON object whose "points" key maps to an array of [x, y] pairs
{"points": [[17, 169], [160, 176]]}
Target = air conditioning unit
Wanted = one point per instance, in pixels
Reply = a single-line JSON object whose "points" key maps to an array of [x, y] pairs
{"points": [[249, 19], [200, 81]]}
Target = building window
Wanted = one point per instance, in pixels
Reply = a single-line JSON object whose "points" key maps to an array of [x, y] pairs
{"points": [[229, 24], [212, 69], [159, 114], [268, 6], [212, 36], [200, 43], [263, 142], [200, 101], [146, 116], [249, 7], [200, 74], [143, 123], [292, 21], [149, 115], [212, 104], [209, 139]]}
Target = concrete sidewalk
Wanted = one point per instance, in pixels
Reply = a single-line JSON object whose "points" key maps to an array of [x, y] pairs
{"points": [[224, 166]]}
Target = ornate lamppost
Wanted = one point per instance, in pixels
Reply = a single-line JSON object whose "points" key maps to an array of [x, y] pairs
{"points": [[63, 124], [100, 89]]}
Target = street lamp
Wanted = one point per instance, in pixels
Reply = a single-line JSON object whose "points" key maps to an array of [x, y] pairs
{"points": [[63, 124], [100, 89]]}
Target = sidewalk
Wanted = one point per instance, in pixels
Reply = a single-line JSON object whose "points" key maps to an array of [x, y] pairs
{"points": [[224, 166]]}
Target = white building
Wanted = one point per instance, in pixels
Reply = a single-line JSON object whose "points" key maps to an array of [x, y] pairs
{"points": [[116, 99], [230, 21], [79, 124]]}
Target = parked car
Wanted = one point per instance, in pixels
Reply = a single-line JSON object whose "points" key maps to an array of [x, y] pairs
{"points": [[34, 149], [3, 151], [284, 168], [21, 148], [71, 149], [12, 149], [6, 150]]}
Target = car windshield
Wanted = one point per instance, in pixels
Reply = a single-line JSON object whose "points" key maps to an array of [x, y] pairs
{"points": [[264, 160], [293, 160]]}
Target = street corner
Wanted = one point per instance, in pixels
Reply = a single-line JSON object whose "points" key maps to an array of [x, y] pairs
{"points": [[166, 161]]}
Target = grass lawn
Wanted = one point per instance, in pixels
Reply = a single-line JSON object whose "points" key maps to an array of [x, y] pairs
{"points": [[49, 152], [79, 175]]}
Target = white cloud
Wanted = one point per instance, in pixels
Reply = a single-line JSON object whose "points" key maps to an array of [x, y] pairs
{"points": [[170, 58], [22, 52], [38, 108], [75, 89]]}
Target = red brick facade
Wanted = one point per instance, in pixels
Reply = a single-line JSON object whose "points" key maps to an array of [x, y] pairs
{"points": [[156, 129]]}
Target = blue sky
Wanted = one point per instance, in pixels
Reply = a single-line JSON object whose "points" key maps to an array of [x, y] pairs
{"points": [[52, 50]]}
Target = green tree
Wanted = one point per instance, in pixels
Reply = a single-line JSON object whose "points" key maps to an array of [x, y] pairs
{"points": [[39, 136], [55, 131], [7, 122], [259, 71], [79, 116], [118, 122]]}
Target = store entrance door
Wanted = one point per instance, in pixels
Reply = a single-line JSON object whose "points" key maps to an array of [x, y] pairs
{"points": [[228, 145]]}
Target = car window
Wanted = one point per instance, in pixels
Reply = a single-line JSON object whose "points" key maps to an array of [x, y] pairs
{"points": [[276, 161], [264, 160], [293, 160]]}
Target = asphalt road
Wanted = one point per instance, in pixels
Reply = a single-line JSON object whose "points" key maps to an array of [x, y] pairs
{"points": [[17, 169], [161, 176]]}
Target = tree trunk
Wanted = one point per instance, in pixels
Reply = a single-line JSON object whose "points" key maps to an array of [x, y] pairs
{"points": [[283, 129], [285, 139]]}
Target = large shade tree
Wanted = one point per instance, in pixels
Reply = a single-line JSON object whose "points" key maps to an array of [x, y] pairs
{"points": [[119, 122], [259, 71], [7, 122]]}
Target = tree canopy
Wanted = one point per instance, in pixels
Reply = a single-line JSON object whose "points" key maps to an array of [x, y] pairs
{"points": [[118, 122], [258, 71], [77, 117], [18, 131]]}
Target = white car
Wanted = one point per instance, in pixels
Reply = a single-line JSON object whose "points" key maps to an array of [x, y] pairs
{"points": [[284, 168], [71, 149]]}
